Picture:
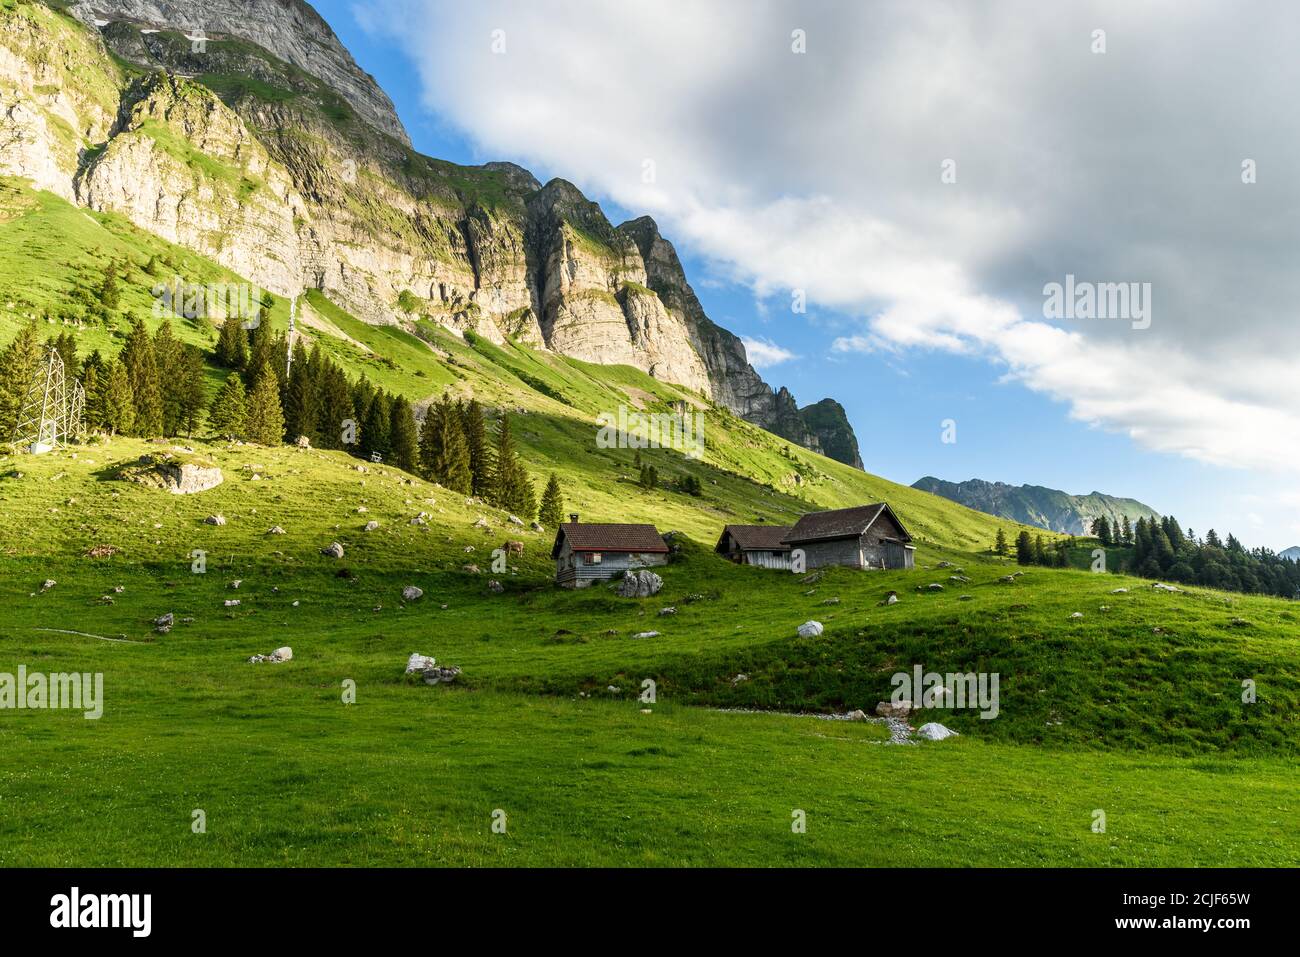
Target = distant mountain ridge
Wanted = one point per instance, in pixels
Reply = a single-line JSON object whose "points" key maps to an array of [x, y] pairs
{"points": [[1292, 553], [1047, 508]]}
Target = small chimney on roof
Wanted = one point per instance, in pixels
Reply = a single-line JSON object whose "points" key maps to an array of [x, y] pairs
{"points": [[573, 517]]}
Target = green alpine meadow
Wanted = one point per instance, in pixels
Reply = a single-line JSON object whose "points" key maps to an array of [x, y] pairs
{"points": [[360, 508]]}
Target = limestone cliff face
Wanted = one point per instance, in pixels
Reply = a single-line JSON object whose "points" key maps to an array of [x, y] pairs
{"points": [[289, 29], [240, 152]]}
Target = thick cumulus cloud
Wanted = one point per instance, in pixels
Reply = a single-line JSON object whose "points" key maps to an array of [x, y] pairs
{"points": [[824, 171]]}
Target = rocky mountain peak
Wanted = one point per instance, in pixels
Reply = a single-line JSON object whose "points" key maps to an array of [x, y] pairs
{"points": [[290, 29]]}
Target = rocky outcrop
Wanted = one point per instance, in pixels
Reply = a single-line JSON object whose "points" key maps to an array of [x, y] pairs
{"points": [[290, 29], [266, 171]]}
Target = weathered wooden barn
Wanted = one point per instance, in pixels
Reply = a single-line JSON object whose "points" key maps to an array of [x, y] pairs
{"points": [[866, 536], [589, 552], [755, 545]]}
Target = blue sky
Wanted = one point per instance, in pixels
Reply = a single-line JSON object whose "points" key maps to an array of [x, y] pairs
{"points": [[1016, 430]]}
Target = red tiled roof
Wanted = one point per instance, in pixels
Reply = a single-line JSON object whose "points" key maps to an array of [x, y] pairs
{"points": [[765, 538], [839, 523], [594, 537]]}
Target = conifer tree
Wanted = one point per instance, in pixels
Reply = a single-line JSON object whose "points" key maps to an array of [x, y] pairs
{"points": [[18, 365], [451, 464], [551, 514], [374, 429], [302, 395], [480, 452], [229, 408], [189, 390], [336, 408], [167, 355], [1024, 549], [117, 403], [146, 383], [264, 423], [232, 344], [65, 344], [1040, 553], [94, 411], [1000, 545], [403, 441], [511, 487], [109, 297], [261, 352]]}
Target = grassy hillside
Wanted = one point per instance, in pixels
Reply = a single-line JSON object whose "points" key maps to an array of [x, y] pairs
{"points": [[1134, 708], [288, 774]]}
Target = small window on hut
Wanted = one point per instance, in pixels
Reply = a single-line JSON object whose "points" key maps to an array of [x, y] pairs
{"points": [[593, 558]]}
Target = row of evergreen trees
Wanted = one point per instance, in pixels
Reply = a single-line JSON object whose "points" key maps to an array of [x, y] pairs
{"points": [[155, 386], [1161, 549]]}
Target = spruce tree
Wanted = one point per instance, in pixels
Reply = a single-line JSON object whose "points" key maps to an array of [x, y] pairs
{"points": [[261, 352], [109, 297], [1000, 545], [334, 398], [302, 395], [430, 441], [551, 514], [374, 429], [167, 355], [451, 463], [232, 344], [229, 408], [264, 423], [403, 440], [146, 383], [1024, 549], [189, 390], [508, 475], [65, 344], [94, 410], [18, 365], [480, 453], [118, 402]]}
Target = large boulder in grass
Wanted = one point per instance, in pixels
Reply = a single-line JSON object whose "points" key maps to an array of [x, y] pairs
{"points": [[934, 731], [170, 473], [641, 583], [810, 629]]}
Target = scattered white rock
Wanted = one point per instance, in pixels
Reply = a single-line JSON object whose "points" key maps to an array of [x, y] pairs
{"points": [[231, 602], [1159, 587], [646, 634], [890, 599], [418, 662], [934, 731], [411, 593], [215, 520], [495, 587], [515, 520], [48, 584], [275, 530], [1077, 614], [639, 584], [857, 715], [670, 610], [275, 657], [371, 525], [163, 623], [1119, 591], [810, 629], [332, 550]]}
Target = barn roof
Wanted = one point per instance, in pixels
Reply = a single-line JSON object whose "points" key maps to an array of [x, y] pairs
{"points": [[840, 523], [596, 537], [764, 538]]}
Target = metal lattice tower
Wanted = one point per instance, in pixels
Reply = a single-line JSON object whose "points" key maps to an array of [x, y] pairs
{"points": [[52, 412]]}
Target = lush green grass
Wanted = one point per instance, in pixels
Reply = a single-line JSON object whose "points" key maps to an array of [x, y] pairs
{"points": [[288, 774]]}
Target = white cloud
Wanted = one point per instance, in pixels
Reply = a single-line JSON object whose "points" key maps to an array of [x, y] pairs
{"points": [[764, 353], [821, 172]]}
